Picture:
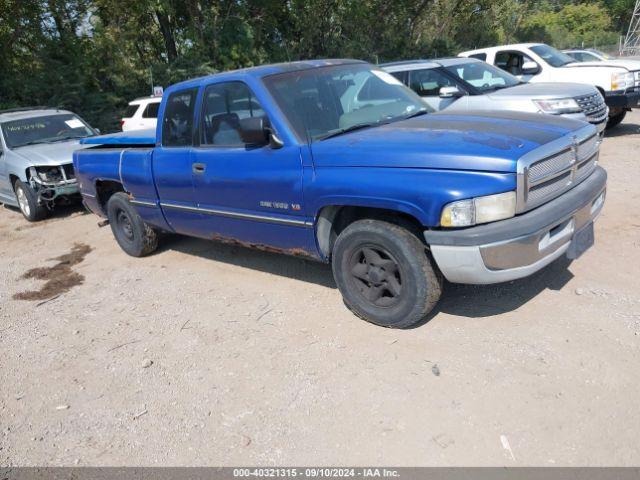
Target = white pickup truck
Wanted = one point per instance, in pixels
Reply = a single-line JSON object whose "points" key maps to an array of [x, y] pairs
{"points": [[537, 62]]}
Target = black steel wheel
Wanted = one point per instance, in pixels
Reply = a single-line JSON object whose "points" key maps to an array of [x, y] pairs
{"points": [[133, 235], [385, 274]]}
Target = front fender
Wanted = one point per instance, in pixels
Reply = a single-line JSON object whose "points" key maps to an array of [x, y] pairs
{"points": [[420, 193]]}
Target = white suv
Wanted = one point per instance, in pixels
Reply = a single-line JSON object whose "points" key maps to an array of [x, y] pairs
{"points": [[537, 62], [141, 114]]}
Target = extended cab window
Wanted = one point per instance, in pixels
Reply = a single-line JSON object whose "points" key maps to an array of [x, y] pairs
{"points": [[428, 82], [151, 111], [225, 104], [177, 124]]}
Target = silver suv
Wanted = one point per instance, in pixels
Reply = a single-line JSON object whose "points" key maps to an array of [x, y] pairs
{"points": [[471, 84], [36, 155]]}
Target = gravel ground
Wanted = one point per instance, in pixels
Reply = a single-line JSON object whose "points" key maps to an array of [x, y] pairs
{"points": [[206, 354]]}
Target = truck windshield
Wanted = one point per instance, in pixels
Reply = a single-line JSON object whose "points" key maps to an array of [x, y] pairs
{"points": [[553, 57], [45, 129], [324, 102], [483, 76]]}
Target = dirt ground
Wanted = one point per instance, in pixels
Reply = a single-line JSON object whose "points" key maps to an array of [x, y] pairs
{"points": [[206, 354]]}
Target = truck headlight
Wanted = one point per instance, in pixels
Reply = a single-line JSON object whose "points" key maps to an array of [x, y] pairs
{"points": [[558, 106], [622, 81], [465, 213]]}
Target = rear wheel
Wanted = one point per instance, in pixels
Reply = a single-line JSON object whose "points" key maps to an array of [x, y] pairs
{"points": [[384, 274], [28, 202], [133, 235], [616, 119]]}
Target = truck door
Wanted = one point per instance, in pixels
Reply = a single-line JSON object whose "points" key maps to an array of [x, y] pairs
{"points": [[249, 194], [172, 161]]}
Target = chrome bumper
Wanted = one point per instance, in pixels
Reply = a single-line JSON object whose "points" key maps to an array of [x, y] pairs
{"points": [[520, 246]]}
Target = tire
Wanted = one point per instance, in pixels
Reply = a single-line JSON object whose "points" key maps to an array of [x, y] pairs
{"points": [[134, 236], [384, 274], [616, 119], [28, 202]]}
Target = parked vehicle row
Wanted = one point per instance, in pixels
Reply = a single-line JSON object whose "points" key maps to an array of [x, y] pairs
{"points": [[338, 161], [469, 84], [537, 62], [400, 176]]}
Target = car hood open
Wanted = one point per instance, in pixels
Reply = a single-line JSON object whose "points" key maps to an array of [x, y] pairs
{"points": [[479, 141]]}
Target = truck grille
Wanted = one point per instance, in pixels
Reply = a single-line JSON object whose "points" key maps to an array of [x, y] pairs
{"points": [[593, 107], [69, 172], [548, 178]]}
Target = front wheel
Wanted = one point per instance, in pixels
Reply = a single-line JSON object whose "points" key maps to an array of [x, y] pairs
{"points": [[28, 202], [384, 274], [133, 235], [616, 119]]}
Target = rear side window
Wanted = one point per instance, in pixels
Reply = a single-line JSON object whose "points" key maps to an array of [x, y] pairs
{"points": [[479, 56], [151, 111], [131, 111], [177, 124]]}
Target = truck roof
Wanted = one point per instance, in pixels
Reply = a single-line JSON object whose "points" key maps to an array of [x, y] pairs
{"points": [[28, 112], [266, 70], [501, 47]]}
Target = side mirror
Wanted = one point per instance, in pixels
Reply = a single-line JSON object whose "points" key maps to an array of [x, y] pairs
{"points": [[450, 92], [253, 131], [97, 131], [530, 68]]}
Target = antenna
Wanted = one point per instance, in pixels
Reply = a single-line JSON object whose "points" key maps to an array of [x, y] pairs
{"points": [[631, 44]]}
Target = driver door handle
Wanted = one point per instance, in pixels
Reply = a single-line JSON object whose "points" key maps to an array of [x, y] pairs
{"points": [[199, 168]]}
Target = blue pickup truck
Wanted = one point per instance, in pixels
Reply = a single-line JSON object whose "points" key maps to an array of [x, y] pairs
{"points": [[337, 161]]}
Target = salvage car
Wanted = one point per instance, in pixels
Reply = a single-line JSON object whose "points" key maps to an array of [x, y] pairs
{"points": [[538, 62], [471, 84], [36, 169], [338, 161]]}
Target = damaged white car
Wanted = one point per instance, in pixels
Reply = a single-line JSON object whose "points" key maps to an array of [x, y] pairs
{"points": [[36, 155]]}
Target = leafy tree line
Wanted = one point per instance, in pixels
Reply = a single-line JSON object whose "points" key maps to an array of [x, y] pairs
{"points": [[93, 56]]}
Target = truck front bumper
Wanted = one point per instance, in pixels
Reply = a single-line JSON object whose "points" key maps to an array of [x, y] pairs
{"points": [[522, 245], [629, 99]]}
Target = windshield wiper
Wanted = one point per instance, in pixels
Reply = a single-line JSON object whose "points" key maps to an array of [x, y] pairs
{"points": [[352, 128], [70, 137]]}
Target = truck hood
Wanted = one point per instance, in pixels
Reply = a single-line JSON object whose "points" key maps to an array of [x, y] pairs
{"points": [[48, 154], [478, 141], [543, 91], [631, 65]]}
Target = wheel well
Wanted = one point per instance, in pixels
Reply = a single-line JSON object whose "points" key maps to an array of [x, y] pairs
{"points": [[13, 179], [105, 189], [332, 220]]}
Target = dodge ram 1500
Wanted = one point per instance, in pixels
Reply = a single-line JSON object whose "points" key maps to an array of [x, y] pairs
{"points": [[337, 161]]}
